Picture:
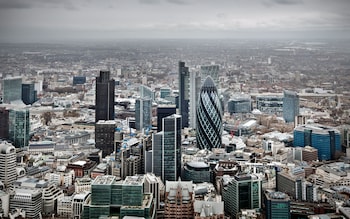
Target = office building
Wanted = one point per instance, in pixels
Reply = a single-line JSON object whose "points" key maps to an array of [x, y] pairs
{"points": [[167, 149], [162, 112], [197, 171], [270, 104], [50, 196], [28, 93], [178, 200], [146, 92], [165, 92], [64, 207], [27, 199], [239, 104], [290, 105], [5, 122], [19, 127], [104, 136], [8, 172], [79, 80], [154, 185], [77, 203], [104, 105], [184, 93], [12, 89], [143, 114], [277, 205], [195, 86], [325, 139], [209, 117], [212, 71], [242, 192]]}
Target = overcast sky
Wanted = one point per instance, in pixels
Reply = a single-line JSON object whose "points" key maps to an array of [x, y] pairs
{"points": [[45, 20]]}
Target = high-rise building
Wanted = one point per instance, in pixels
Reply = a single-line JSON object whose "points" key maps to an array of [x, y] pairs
{"points": [[104, 105], [104, 136], [209, 117], [8, 173], [325, 139], [28, 93], [143, 113], [242, 192], [277, 205], [4, 121], [167, 149], [239, 104], [146, 92], [12, 89], [184, 93], [154, 185], [164, 92], [195, 86], [19, 127], [162, 112], [290, 105], [178, 199], [212, 71], [270, 104]]}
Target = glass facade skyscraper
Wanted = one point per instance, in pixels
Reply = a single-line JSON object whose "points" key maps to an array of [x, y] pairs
{"points": [[104, 105], [143, 113], [290, 105], [12, 89], [184, 93], [212, 71], [28, 93], [19, 127], [209, 117], [167, 149]]}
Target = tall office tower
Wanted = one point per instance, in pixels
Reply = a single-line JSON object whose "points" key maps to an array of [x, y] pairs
{"points": [[167, 149], [28, 93], [146, 92], [8, 173], [28, 200], [104, 105], [212, 71], [12, 89], [209, 117], [143, 113], [242, 192], [195, 86], [162, 112], [104, 136], [4, 121], [290, 105], [19, 127], [178, 199], [184, 93], [325, 139], [277, 205]]}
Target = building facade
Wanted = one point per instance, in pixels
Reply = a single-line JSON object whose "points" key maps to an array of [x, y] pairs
{"points": [[104, 136], [104, 104], [5, 122], [290, 105], [184, 93], [12, 89], [19, 127], [239, 105], [270, 104], [277, 205], [162, 112], [8, 174], [209, 117], [28, 93], [325, 139], [143, 113]]}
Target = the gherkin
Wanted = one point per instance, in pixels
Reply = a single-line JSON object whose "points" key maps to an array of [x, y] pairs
{"points": [[209, 117]]}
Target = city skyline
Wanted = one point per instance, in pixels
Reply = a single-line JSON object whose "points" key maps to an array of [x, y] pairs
{"points": [[52, 21]]}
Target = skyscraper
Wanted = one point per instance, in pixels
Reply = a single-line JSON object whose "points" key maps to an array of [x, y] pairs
{"points": [[143, 113], [28, 93], [290, 105], [104, 105], [209, 117], [12, 89], [242, 192], [195, 86], [167, 149], [104, 136], [146, 92], [162, 112], [19, 127], [184, 90], [4, 121], [8, 173], [277, 205]]}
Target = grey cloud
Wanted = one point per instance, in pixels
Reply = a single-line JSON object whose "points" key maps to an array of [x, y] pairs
{"points": [[179, 2], [15, 4], [26, 4], [149, 1], [269, 3]]}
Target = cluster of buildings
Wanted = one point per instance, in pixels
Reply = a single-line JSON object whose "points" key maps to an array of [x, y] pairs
{"points": [[191, 149]]}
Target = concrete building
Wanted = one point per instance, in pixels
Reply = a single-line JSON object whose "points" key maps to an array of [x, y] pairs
{"points": [[208, 209], [197, 171], [8, 173], [104, 136], [27, 199]]}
